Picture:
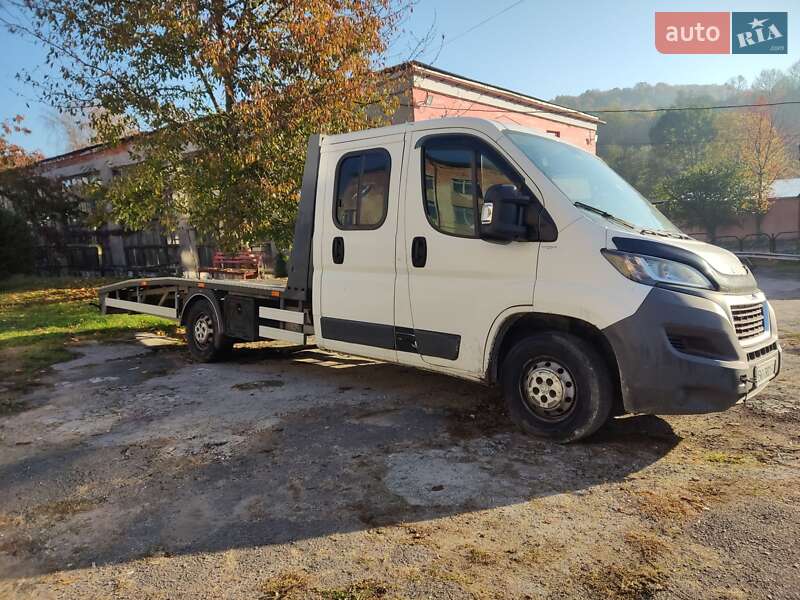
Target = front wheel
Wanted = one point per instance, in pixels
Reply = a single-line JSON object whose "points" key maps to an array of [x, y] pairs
{"points": [[204, 334], [557, 386]]}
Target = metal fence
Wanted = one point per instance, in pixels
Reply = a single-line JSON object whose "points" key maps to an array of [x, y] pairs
{"points": [[785, 242]]}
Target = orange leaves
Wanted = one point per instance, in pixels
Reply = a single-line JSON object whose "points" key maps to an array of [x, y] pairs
{"points": [[13, 155]]}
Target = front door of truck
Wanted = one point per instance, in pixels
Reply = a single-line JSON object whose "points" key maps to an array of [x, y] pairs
{"points": [[359, 227], [459, 284]]}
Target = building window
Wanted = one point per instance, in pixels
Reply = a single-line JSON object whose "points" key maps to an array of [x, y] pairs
{"points": [[77, 183], [362, 190], [457, 173], [462, 186]]}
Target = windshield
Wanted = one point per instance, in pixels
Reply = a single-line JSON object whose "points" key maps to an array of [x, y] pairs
{"points": [[585, 179]]}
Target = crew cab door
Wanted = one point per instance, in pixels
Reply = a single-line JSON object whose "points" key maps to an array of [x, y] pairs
{"points": [[458, 283], [358, 218]]}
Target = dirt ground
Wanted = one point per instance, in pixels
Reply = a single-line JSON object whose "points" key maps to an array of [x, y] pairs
{"points": [[138, 474]]}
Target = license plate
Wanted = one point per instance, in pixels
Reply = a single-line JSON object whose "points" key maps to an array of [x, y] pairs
{"points": [[765, 370]]}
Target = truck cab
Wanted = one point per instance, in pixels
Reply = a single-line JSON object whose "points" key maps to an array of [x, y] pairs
{"points": [[491, 252]]}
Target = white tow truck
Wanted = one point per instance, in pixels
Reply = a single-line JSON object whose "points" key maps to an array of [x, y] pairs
{"points": [[494, 253]]}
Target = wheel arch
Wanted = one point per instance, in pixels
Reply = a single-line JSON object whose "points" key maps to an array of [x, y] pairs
{"points": [[197, 295], [514, 327]]}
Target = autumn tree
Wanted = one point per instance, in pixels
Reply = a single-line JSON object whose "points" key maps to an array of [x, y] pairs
{"points": [[708, 194], [13, 155], [753, 140], [32, 207], [227, 91]]}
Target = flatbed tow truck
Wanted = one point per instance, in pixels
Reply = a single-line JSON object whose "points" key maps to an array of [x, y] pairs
{"points": [[491, 252]]}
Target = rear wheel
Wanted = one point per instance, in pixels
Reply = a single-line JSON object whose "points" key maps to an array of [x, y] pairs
{"points": [[557, 386], [204, 334]]}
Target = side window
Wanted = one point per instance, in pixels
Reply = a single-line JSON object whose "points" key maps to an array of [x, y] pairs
{"points": [[449, 201], [457, 173], [362, 190]]}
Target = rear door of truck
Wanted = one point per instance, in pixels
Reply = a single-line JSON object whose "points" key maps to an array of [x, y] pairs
{"points": [[357, 215]]}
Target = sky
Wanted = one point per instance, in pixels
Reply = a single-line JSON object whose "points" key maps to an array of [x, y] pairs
{"points": [[539, 47]]}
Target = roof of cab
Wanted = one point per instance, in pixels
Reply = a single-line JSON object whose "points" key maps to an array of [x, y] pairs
{"points": [[486, 126]]}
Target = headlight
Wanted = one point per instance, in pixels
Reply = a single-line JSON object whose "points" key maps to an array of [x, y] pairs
{"points": [[651, 270]]}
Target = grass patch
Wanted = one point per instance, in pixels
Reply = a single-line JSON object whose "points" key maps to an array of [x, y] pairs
{"points": [[41, 317], [623, 582], [726, 459], [476, 556], [294, 586], [284, 587], [366, 589]]}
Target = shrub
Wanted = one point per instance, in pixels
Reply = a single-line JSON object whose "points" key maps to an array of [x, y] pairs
{"points": [[16, 245]]}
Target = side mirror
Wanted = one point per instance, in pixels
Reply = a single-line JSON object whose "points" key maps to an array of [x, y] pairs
{"points": [[503, 216]]}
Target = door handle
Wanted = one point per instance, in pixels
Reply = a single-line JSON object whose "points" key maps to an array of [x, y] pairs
{"points": [[337, 250], [419, 252]]}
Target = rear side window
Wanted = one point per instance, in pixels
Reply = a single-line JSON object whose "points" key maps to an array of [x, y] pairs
{"points": [[362, 189], [457, 172]]}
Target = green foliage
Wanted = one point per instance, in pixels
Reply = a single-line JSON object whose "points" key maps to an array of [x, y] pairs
{"points": [[42, 205], [42, 202], [280, 266], [708, 194], [16, 245], [682, 138]]}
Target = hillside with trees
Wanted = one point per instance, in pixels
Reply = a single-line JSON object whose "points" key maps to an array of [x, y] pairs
{"points": [[662, 152]]}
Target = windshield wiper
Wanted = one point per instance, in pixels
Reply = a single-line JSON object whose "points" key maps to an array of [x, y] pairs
{"points": [[604, 213]]}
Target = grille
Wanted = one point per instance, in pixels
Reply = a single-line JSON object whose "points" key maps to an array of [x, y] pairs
{"points": [[762, 351], [677, 342], [748, 319]]}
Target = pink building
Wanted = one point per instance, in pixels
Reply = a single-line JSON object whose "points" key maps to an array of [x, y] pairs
{"points": [[779, 230], [431, 93]]}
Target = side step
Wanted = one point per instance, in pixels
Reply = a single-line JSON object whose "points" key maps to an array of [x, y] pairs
{"points": [[282, 316]]}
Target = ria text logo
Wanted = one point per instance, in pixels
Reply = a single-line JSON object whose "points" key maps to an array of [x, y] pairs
{"points": [[759, 33], [721, 32]]}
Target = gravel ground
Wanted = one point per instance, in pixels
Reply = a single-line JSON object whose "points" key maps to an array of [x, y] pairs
{"points": [[138, 474]]}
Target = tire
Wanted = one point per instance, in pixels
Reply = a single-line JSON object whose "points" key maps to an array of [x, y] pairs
{"points": [[557, 386], [203, 334]]}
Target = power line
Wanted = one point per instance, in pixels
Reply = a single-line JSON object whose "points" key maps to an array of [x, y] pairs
{"points": [[571, 112], [680, 108], [482, 23]]}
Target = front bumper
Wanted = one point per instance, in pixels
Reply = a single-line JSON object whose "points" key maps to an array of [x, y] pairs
{"points": [[660, 373]]}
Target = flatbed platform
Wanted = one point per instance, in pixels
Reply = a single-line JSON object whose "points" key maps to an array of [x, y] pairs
{"points": [[245, 309]]}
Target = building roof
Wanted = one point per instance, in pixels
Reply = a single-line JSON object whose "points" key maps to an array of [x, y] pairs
{"points": [[785, 188], [418, 68], [488, 89]]}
